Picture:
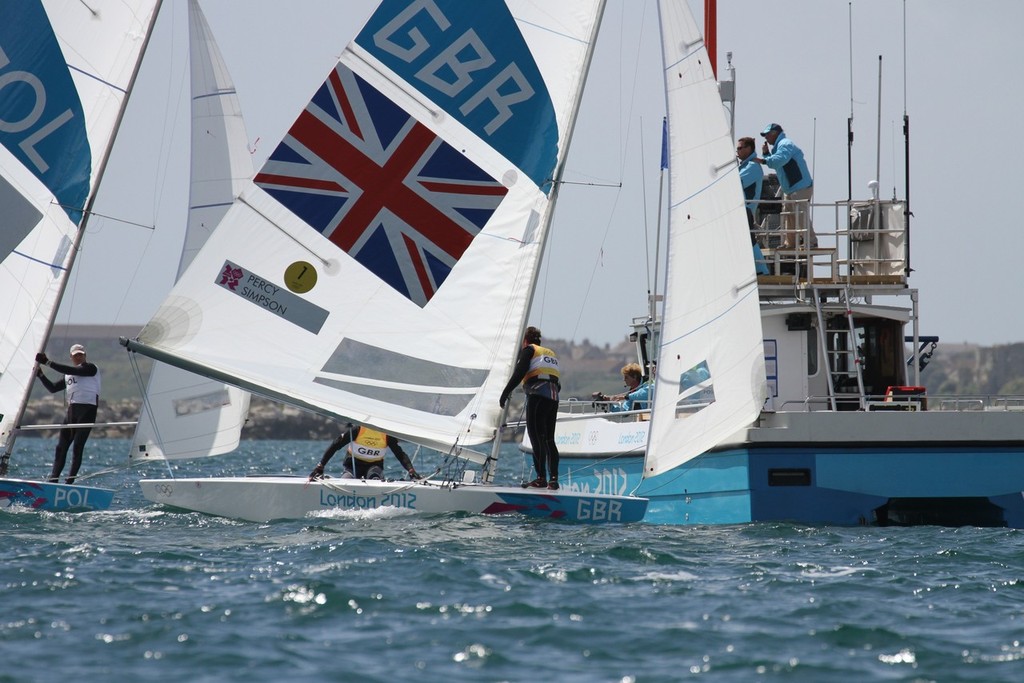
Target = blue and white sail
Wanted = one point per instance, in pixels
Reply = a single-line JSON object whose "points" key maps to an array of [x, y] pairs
{"points": [[185, 415], [66, 68], [380, 266], [710, 375]]}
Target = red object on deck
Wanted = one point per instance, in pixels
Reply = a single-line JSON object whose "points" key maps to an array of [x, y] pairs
{"points": [[711, 33], [895, 394], [904, 391]]}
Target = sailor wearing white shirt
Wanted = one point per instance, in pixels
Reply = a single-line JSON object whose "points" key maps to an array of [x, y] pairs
{"points": [[82, 383]]}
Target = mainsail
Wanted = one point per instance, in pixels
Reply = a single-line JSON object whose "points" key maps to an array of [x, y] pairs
{"points": [[66, 69], [710, 374], [184, 415], [380, 266]]}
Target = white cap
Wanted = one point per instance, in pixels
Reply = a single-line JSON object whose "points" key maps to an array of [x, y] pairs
{"points": [[77, 348]]}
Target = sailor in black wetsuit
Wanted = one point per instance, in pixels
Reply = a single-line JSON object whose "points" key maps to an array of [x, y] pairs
{"points": [[537, 368], [366, 451], [82, 382]]}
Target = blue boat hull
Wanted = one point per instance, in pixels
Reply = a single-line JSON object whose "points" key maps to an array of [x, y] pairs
{"points": [[876, 485], [53, 497]]}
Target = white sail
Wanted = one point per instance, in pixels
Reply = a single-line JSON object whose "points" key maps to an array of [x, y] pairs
{"points": [[381, 265], [184, 415], [65, 70], [710, 375]]}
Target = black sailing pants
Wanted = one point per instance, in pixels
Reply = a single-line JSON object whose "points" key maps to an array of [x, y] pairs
{"points": [[540, 425], [77, 413]]}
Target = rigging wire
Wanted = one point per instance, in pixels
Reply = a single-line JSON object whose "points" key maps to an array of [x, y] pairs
{"points": [[162, 167], [68, 295], [623, 144]]}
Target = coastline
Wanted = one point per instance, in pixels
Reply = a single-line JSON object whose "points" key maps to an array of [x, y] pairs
{"points": [[267, 420]]}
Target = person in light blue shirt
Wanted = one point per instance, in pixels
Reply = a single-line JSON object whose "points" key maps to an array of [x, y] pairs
{"points": [[787, 160], [638, 392], [751, 178]]}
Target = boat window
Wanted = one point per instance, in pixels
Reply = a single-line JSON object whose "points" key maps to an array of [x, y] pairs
{"points": [[789, 476], [882, 354]]}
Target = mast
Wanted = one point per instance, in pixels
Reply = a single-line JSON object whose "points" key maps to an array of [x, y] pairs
{"points": [[906, 147], [849, 120], [487, 473], [878, 137], [653, 296], [711, 33]]}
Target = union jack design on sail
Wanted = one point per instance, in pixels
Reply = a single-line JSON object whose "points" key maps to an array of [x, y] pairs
{"points": [[380, 185]]}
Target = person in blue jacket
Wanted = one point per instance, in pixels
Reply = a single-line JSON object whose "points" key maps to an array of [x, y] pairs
{"points": [[751, 178], [787, 160], [537, 369]]}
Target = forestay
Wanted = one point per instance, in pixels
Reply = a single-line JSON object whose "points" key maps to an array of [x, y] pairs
{"points": [[381, 265], [185, 415], [710, 375], [65, 69]]}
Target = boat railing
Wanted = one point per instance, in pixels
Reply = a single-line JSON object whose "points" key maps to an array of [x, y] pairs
{"points": [[961, 404], [930, 403], [866, 243], [581, 409], [1008, 403]]}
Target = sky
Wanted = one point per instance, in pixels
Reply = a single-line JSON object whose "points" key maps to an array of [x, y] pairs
{"points": [[960, 82]]}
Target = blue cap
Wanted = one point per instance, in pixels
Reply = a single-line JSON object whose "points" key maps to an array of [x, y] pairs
{"points": [[770, 127]]}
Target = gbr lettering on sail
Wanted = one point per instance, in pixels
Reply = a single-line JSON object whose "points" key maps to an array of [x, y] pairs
{"points": [[452, 63], [471, 60]]}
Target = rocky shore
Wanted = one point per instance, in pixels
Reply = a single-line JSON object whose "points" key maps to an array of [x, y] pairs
{"points": [[267, 420]]}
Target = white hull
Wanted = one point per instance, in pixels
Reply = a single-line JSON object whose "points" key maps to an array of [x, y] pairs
{"points": [[261, 499], [602, 436], [598, 435]]}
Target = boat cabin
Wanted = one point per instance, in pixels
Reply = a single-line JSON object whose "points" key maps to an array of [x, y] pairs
{"points": [[838, 319]]}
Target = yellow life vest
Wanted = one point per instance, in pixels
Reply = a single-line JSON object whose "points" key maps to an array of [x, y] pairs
{"points": [[543, 365], [369, 445]]}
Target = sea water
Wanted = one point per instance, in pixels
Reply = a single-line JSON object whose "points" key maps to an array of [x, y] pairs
{"points": [[141, 592]]}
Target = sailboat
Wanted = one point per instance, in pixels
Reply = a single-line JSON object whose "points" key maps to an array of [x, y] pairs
{"points": [[67, 71], [380, 266], [185, 415], [793, 396]]}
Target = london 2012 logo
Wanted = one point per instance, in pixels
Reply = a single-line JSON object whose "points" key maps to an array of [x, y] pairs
{"points": [[231, 276]]}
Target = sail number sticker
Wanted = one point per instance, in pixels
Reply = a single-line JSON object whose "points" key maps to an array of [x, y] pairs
{"points": [[300, 277], [271, 297]]}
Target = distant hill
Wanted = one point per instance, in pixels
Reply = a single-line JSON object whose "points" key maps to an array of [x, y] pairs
{"points": [[586, 368]]}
